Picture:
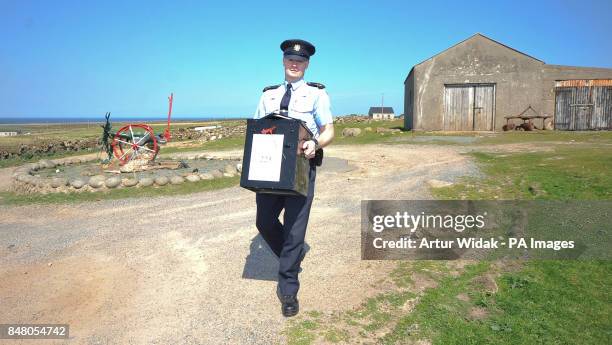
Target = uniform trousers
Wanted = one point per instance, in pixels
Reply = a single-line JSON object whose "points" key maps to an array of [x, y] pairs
{"points": [[286, 240]]}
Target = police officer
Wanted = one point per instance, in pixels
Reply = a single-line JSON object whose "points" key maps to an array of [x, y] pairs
{"points": [[310, 103]]}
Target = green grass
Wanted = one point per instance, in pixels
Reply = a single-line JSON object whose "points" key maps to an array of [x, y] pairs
{"points": [[225, 143], [5, 163], [547, 302], [564, 174], [534, 302], [8, 198], [515, 137]]}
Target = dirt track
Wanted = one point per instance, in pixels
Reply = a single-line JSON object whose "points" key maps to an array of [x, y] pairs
{"points": [[192, 269]]}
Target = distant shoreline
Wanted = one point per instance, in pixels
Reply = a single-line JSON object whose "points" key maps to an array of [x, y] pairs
{"points": [[101, 120]]}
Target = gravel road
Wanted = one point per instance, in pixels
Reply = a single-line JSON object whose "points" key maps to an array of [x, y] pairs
{"points": [[192, 269]]}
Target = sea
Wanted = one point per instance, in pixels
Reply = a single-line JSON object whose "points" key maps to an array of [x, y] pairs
{"points": [[101, 119]]}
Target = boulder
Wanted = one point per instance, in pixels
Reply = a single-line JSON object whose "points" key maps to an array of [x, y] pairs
{"points": [[46, 163], [216, 173], [96, 181], [351, 132], [230, 169], [438, 184], [192, 178], [113, 182], [228, 174], [161, 180], [146, 181], [239, 167], [130, 182], [57, 182], [206, 176], [77, 183], [176, 179]]}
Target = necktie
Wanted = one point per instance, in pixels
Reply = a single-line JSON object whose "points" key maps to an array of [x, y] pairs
{"points": [[286, 98]]}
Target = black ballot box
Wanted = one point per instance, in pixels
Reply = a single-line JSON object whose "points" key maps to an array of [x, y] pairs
{"points": [[273, 160]]}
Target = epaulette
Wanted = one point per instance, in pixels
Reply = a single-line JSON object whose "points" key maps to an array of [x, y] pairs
{"points": [[320, 86], [272, 87]]}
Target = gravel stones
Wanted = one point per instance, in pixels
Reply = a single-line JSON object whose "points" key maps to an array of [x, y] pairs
{"points": [[113, 182]]}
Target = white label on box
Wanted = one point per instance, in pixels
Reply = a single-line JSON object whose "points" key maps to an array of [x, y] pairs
{"points": [[266, 157]]}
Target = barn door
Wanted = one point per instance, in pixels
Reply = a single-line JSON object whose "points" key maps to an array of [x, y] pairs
{"points": [[583, 104], [469, 107], [563, 99]]}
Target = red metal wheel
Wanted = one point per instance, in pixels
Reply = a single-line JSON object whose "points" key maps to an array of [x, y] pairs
{"points": [[135, 141]]}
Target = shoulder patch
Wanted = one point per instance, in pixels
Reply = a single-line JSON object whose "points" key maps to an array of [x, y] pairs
{"points": [[318, 85], [272, 87]]}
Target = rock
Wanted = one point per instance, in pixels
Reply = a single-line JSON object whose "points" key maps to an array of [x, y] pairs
{"points": [[192, 178], [146, 181], [176, 179], [216, 173], [192, 157], [113, 182], [230, 169], [161, 180], [228, 174], [239, 167], [206, 176], [213, 137], [46, 163], [75, 161], [387, 130], [97, 181], [130, 182], [351, 132], [77, 183], [548, 125], [438, 183], [58, 182], [126, 168]]}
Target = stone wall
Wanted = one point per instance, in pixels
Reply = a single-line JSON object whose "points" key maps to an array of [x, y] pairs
{"points": [[27, 181], [92, 144]]}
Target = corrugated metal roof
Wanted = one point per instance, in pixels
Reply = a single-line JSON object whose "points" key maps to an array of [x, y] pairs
{"points": [[583, 83]]}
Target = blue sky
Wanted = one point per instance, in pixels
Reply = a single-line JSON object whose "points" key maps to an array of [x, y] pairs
{"points": [[84, 58]]}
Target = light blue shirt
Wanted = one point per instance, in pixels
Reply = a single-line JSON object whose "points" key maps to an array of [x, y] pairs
{"points": [[308, 103]]}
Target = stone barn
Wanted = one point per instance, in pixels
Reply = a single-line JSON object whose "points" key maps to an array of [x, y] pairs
{"points": [[474, 84]]}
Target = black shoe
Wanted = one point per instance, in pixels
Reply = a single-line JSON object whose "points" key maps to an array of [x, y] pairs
{"points": [[290, 306]]}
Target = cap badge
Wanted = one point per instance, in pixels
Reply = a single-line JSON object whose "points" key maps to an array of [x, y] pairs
{"points": [[297, 47]]}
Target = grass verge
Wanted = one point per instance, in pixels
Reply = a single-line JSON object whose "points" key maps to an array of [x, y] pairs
{"points": [[531, 302]]}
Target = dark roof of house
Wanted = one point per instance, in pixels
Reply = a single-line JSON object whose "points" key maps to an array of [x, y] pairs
{"points": [[381, 110]]}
